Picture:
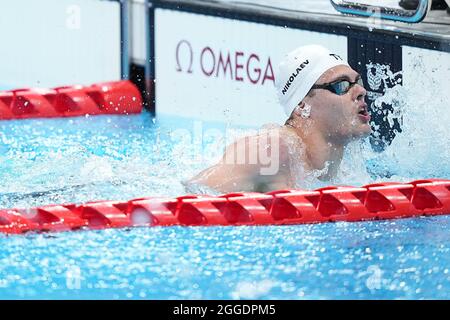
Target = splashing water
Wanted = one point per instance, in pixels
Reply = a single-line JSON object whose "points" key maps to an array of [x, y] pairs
{"points": [[84, 159], [422, 149]]}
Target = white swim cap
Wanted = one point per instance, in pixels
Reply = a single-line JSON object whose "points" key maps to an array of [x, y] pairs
{"points": [[298, 72]]}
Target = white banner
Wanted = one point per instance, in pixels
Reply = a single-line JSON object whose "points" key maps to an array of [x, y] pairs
{"points": [[49, 43], [219, 69]]}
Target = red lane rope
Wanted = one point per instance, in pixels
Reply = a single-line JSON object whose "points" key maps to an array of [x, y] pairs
{"points": [[378, 201], [119, 97]]}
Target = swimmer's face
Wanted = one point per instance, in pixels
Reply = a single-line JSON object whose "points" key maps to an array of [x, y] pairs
{"points": [[343, 117]]}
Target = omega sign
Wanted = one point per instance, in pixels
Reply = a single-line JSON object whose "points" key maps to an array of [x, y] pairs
{"points": [[233, 65]]}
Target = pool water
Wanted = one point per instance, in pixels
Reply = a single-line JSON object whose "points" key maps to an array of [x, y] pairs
{"points": [[113, 157], [402, 259]]}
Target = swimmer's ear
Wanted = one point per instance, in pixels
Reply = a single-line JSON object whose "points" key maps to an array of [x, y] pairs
{"points": [[303, 110], [298, 108]]}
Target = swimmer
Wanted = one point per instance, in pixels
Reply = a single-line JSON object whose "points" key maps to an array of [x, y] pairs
{"points": [[323, 98]]}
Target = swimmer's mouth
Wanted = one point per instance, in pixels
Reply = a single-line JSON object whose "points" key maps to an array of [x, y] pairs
{"points": [[363, 110], [364, 113]]}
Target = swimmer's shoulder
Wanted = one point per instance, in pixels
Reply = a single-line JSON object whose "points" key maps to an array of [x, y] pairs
{"points": [[283, 141], [274, 140], [292, 146], [268, 141]]}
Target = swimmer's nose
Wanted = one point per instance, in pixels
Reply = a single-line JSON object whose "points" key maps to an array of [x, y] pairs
{"points": [[359, 92]]}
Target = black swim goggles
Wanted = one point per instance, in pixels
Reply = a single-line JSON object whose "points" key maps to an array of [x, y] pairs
{"points": [[339, 87]]}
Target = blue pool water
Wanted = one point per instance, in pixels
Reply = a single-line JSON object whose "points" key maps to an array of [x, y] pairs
{"points": [[111, 157], [402, 259]]}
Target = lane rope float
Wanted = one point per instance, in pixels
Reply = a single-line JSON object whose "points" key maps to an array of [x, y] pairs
{"points": [[389, 200], [118, 97]]}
